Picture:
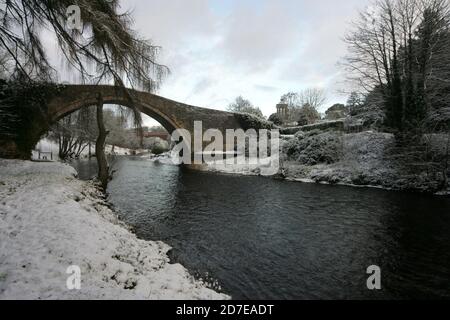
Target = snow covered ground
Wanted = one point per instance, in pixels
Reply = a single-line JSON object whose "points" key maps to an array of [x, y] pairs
{"points": [[49, 221], [245, 166], [241, 165], [48, 146], [369, 159], [164, 158], [363, 159]]}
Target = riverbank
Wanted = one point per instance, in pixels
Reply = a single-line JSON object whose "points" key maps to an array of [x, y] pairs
{"points": [[366, 159], [49, 221], [215, 222]]}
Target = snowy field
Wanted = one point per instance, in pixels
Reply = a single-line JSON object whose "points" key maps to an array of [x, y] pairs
{"points": [[50, 221]]}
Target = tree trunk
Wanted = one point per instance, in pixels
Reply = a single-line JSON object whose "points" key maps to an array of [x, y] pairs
{"points": [[103, 170], [447, 154]]}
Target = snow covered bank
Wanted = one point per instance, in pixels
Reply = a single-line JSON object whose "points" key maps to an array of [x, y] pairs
{"points": [[50, 221], [245, 166], [363, 159], [371, 159], [164, 158], [242, 166]]}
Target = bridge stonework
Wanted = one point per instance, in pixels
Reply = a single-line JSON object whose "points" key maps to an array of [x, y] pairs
{"points": [[171, 114]]}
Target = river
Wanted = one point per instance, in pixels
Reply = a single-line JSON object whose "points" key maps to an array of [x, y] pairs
{"points": [[262, 238]]}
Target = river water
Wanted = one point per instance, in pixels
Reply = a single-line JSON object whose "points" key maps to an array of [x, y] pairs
{"points": [[266, 239]]}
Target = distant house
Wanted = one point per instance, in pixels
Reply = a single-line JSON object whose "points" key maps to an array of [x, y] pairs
{"points": [[337, 111], [162, 135]]}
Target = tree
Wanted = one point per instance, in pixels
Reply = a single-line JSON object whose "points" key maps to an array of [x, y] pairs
{"points": [[4, 62], [103, 169], [354, 102], [292, 100], [312, 97], [276, 119], [116, 126], [104, 50], [105, 40], [307, 115], [241, 105], [398, 46], [74, 133], [433, 52], [300, 104]]}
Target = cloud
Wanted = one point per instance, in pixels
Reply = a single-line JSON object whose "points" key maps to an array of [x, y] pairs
{"points": [[256, 37], [261, 49], [265, 88], [172, 23], [202, 85]]}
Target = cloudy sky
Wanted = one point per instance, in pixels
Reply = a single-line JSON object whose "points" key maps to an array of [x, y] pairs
{"points": [[260, 49]]}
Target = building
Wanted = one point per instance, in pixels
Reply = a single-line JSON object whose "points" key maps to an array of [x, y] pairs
{"points": [[162, 135], [283, 111]]}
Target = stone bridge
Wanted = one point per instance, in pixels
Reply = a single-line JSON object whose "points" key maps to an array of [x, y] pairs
{"points": [[171, 114]]}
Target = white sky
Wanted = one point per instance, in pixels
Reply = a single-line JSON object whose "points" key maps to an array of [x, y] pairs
{"points": [[260, 49]]}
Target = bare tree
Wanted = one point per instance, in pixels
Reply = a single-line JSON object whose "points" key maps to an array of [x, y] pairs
{"points": [[241, 105], [313, 97], [303, 105], [292, 100], [74, 133], [393, 48]]}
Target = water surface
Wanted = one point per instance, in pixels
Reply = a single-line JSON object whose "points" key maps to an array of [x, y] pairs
{"points": [[268, 239]]}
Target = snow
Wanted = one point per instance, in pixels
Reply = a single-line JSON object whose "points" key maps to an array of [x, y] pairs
{"points": [[368, 159], [241, 165], [46, 145], [118, 151], [363, 159], [244, 166], [50, 221], [164, 158]]}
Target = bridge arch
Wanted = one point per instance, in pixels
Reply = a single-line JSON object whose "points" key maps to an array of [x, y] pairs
{"points": [[171, 114], [69, 98], [163, 119]]}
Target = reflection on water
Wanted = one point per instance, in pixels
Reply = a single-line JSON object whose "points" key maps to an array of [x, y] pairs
{"points": [[268, 239]]}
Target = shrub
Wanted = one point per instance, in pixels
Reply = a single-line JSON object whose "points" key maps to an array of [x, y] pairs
{"points": [[158, 149], [249, 121], [315, 147], [307, 115], [276, 119]]}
